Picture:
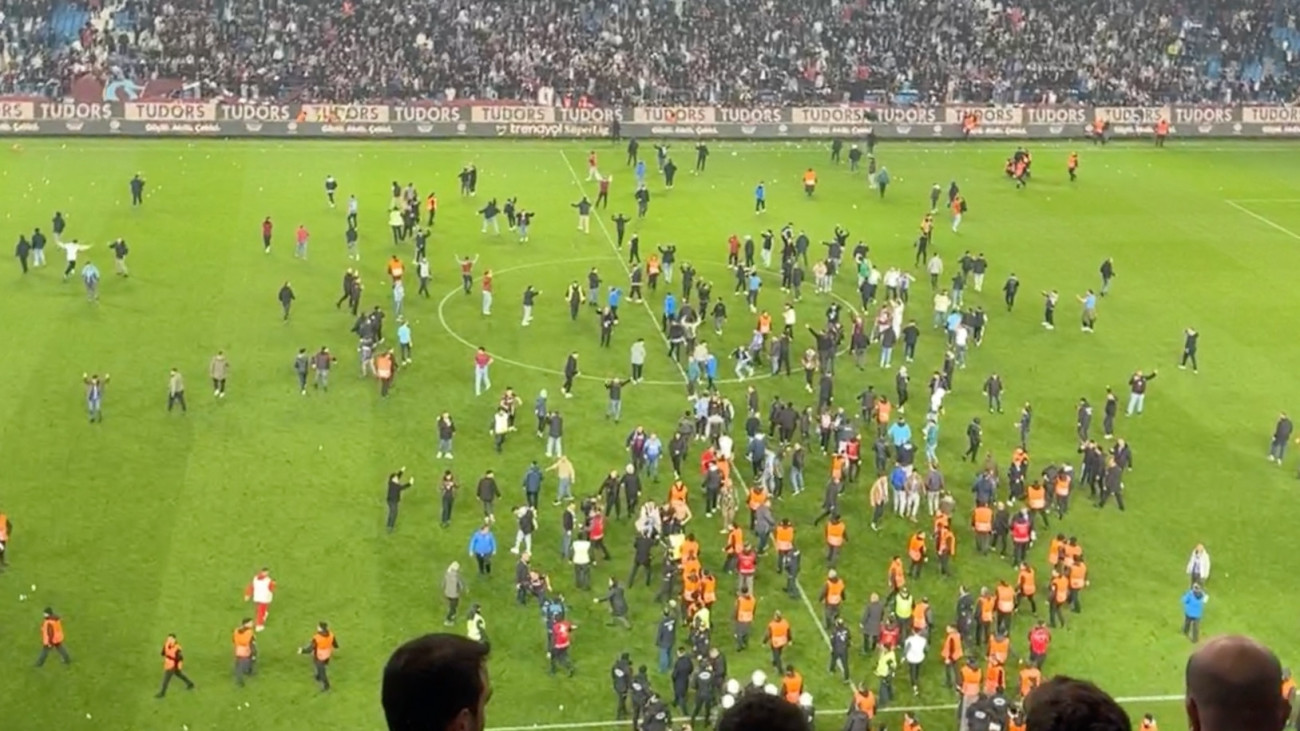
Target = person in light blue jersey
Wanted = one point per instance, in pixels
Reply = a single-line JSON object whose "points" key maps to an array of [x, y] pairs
{"points": [[1089, 317], [404, 340], [90, 276]]}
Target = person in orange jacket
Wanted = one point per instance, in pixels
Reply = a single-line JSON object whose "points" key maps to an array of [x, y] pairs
{"points": [[173, 665], [321, 646], [52, 638]]}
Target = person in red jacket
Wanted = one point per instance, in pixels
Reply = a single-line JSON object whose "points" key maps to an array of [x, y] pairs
{"points": [[1040, 638]]}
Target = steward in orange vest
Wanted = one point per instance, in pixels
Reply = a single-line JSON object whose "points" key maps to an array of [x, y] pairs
{"points": [[778, 636], [321, 646], [385, 369], [173, 665], [245, 650], [52, 637], [832, 597]]}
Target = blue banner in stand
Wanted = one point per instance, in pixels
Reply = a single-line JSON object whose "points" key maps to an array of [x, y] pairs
{"points": [[212, 118]]}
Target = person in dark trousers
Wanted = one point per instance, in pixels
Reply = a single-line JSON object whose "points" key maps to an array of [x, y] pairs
{"points": [[176, 391], [173, 664], [701, 157], [1009, 290], [51, 637], [1107, 272], [974, 437], [321, 647], [38, 248], [1190, 339], [616, 597], [396, 486], [620, 676], [683, 669], [570, 372], [620, 227], [21, 251], [286, 298], [137, 190], [1281, 437]]}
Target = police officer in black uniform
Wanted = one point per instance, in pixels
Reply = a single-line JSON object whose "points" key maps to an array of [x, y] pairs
{"points": [[621, 677], [841, 641]]}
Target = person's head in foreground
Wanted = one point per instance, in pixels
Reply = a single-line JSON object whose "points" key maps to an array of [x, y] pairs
{"points": [[1233, 682], [1067, 704], [438, 682], [763, 712]]}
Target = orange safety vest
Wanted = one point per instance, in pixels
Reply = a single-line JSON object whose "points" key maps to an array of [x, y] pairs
{"points": [[1036, 497], [1030, 678], [710, 592], [792, 686], [1054, 551], [778, 631], [1060, 589], [322, 646], [1026, 582], [652, 265], [952, 651], [765, 323], [785, 538], [1062, 486], [911, 725], [986, 608], [1006, 599], [243, 640], [835, 534], [52, 632], [677, 493], [982, 520], [999, 650], [757, 497], [1072, 552], [883, 410], [947, 542], [919, 613], [916, 547], [994, 678], [1015, 724], [4, 527], [395, 269], [1162, 127], [810, 178], [1078, 576], [970, 681], [834, 592], [384, 366], [896, 577], [941, 521], [171, 653], [690, 551], [865, 703], [1073, 162], [691, 566], [1288, 687], [1148, 725], [690, 586], [735, 541], [431, 203], [956, 206], [745, 609]]}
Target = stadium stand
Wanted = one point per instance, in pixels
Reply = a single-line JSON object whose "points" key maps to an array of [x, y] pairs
{"points": [[764, 52]]}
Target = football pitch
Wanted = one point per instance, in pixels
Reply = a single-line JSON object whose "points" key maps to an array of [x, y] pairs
{"points": [[153, 522]]}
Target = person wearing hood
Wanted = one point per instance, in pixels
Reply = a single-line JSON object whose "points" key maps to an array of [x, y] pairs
{"points": [[1198, 566], [453, 586]]}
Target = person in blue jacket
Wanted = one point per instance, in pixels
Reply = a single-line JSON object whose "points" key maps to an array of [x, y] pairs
{"points": [[1194, 602], [483, 546]]}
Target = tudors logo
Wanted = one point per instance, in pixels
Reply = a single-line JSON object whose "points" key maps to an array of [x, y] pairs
{"points": [[675, 115], [1133, 115], [988, 116], [74, 110], [17, 111], [749, 116], [1059, 116], [519, 115], [906, 115], [171, 111], [255, 112], [831, 115], [1203, 115], [1270, 115], [427, 114], [591, 115]]}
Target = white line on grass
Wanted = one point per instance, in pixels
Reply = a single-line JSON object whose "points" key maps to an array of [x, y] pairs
{"points": [[1263, 200], [1264, 219], [654, 321], [834, 711]]}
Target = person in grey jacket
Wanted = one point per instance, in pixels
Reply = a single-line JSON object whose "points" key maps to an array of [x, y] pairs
{"points": [[764, 525], [452, 588], [871, 618], [617, 604]]}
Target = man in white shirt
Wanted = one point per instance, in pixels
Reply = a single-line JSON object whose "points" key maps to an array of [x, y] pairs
{"points": [[581, 550], [914, 655], [960, 339], [71, 250]]}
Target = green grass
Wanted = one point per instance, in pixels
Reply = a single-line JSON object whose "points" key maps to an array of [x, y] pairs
{"points": [[153, 522]]}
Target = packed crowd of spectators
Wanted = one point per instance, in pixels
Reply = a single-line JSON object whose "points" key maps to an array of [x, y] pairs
{"points": [[670, 51]]}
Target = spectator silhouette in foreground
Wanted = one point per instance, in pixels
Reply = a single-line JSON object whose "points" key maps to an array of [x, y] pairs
{"points": [[1068, 704], [763, 712], [438, 682], [1233, 684]]}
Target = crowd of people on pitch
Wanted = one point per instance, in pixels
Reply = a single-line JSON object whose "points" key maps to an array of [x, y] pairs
{"points": [[669, 51]]}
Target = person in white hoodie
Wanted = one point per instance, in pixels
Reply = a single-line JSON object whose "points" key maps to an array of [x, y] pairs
{"points": [[1198, 566]]}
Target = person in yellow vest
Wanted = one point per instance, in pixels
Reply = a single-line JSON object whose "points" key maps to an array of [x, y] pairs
{"points": [[52, 638], [321, 646], [245, 650], [173, 665]]}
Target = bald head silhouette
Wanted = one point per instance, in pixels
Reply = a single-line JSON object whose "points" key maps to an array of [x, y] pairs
{"points": [[1233, 682]]}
